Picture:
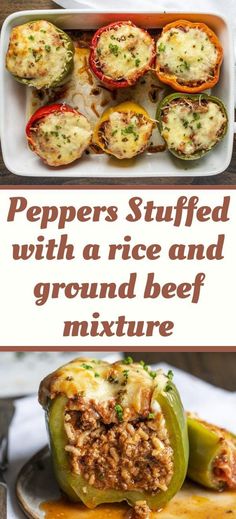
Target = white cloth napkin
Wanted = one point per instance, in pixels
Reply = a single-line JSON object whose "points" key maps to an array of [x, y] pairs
{"points": [[28, 433], [225, 7], [21, 373]]}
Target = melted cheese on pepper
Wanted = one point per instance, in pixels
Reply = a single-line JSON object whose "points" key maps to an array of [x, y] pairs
{"points": [[123, 51], [189, 130], [127, 135], [190, 55], [101, 381], [38, 52], [61, 137]]}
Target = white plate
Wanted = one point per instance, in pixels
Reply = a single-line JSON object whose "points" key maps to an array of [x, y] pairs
{"points": [[36, 485], [21, 161]]}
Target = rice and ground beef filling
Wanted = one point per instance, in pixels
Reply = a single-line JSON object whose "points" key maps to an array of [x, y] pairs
{"points": [[123, 51], [132, 454], [126, 134], [189, 127], [224, 467], [188, 54]]}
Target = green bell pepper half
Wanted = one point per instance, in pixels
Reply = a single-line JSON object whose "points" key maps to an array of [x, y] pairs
{"points": [[192, 97], [72, 485], [206, 444], [67, 70]]}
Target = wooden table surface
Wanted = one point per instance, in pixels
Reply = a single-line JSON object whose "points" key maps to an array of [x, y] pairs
{"points": [[228, 177]]}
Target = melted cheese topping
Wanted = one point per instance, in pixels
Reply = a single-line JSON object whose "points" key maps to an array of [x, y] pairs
{"points": [[61, 137], [189, 129], [39, 53], [84, 92], [126, 134], [101, 381], [124, 51], [188, 54]]}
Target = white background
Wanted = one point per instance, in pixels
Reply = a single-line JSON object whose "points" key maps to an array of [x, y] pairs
{"points": [[209, 323]]}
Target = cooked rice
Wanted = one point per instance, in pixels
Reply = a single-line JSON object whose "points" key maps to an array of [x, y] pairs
{"points": [[132, 454]]}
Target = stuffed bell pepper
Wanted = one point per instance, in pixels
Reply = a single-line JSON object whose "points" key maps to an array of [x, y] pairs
{"points": [[121, 53], [117, 432], [39, 54], [191, 125], [58, 134], [124, 130], [189, 56], [212, 456]]}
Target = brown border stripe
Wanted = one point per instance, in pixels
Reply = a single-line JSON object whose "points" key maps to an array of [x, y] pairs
{"points": [[209, 349], [119, 187]]}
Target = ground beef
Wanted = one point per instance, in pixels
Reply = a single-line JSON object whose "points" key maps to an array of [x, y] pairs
{"points": [[134, 453], [225, 468]]}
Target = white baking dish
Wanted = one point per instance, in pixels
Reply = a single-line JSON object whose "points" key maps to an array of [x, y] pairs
{"points": [[21, 161]]}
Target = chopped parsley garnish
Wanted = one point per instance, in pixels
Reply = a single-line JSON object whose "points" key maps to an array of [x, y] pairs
{"points": [[114, 49], [202, 47], [151, 416], [114, 132], [126, 374], [86, 366], [128, 360], [38, 57], [96, 374], [137, 62], [152, 374], [130, 130], [162, 47], [186, 65], [119, 412], [170, 376], [143, 364], [113, 380], [31, 37], [48, 48], [196, 116], [185, 123], [199, 125]]}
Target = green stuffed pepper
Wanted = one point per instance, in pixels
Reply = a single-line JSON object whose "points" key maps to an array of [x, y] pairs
{"points": [[191, 125], [212, 456], [40, 54], [117, 433]]}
